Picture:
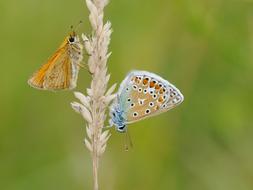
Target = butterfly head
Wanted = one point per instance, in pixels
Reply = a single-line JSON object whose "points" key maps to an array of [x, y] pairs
{"points": [[121, 129], [117, 120], [73, 38]]}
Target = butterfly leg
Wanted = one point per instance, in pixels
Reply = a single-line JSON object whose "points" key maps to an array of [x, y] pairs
{"points": [[111, 122], [110, 125], [85, 66], [82, 65], [87, 54], [128, 140]]}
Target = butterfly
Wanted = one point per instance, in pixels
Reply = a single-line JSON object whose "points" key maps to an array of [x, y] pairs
{"points": [[61, 70], [141, 95]]}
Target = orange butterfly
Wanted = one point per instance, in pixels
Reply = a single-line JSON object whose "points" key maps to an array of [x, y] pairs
{"points": [[61, 70]]}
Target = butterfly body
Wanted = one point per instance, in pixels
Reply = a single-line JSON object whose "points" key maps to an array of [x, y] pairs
{"points": [[61, 70], [141, 95]]}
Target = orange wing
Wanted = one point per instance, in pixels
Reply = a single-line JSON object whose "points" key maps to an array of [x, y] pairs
{"points": [[55, 74]]}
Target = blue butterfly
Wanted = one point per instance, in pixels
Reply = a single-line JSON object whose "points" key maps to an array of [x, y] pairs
{"points": [[142, 94]]}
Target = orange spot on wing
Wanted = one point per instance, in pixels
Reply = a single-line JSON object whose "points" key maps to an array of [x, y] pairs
{"points": [[157, 108], [162, 90], [145, 81], [151, 84], [157, 87], [160, 99]]}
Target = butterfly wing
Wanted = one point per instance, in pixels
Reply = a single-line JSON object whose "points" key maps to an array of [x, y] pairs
{"points": [[56, 74], [59, 74], [143, 94]]}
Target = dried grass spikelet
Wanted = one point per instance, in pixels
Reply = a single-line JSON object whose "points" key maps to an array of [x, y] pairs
{"points": [[93, 105]]}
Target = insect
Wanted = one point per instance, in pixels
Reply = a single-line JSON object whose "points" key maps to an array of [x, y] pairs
{"points": [[61, 70], [141, 95]]}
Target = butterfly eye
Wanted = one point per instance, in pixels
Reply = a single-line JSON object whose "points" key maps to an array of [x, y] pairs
{"points": [[132, 105], [154, 96], [71, 39], [140, 90], [145, 91], [128, 99], [122, 128]]}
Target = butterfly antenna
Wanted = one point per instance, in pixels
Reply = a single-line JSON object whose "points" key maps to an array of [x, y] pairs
{"points": [[78, 25], [72, 29]]}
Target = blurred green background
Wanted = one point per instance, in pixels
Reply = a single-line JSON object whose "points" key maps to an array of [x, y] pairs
{"points": [[204, 47]]}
